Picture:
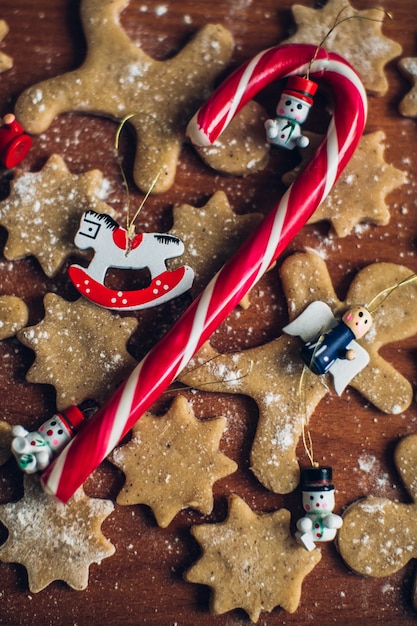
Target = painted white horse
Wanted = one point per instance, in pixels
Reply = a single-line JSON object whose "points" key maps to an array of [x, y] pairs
{"points": [[109, 241]]}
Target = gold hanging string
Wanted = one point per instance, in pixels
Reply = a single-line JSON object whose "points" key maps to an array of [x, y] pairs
{"points": [[385, 293], [305, 431], [302, 396], [119, 160], [210, 382], [337, 23], [215, 382], [130, 223]]}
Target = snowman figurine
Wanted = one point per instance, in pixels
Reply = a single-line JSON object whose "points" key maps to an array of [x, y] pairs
{"points": [[292, 110], [319, 523], [35, 450]]}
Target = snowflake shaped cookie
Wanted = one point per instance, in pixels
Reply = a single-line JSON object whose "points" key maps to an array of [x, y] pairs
{"points": [[211, 235], [360, 41], [251, 561], [80, 350], [43, 210], [359, 196], [172, 462], [54, 541]]}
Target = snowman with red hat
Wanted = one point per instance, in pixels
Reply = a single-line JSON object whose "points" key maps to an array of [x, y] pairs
{"points": [[35, 450], [292, 110]]}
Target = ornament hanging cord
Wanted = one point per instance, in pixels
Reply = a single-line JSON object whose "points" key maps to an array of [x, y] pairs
{"points": [[305, 431], [232, 379], [337, 23], [385, 293], [130, 223]]}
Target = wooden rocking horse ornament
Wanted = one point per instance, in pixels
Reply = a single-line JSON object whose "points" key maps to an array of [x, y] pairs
{"points": [[115, 249]]}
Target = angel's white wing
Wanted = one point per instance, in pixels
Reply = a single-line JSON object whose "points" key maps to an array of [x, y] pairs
{"points": [[314, 320], [344, 370]]}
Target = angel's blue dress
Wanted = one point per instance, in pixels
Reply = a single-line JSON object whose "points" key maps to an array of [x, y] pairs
{"points": [[320, 354]]}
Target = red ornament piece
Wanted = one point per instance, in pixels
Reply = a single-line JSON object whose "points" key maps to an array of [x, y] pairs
{"points": [[301, 88], [14, 142], [163, 287]]}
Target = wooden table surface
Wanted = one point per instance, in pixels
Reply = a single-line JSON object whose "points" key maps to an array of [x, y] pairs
{"points": [[143, 582]]}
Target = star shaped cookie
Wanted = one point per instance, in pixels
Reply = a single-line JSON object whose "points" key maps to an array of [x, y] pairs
{"points": [[211, 234], [408, 105], [118, 79], [359, 195], [359, 40], [271, 373], [55, 541], [251, 561], [6, 62], [172, 462], [80, 350], [43, 210]]}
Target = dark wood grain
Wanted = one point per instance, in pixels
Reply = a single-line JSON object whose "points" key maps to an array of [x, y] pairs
{"points": [[142, 583]]}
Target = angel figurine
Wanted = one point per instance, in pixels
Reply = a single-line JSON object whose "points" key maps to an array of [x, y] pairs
{"points": [[330, 344]]}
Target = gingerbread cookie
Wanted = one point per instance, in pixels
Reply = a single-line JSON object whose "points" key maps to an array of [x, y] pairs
{"points": [[359, 196], [80, 350], [6, 62], [172, 462], [359, 40], [408, 105], [263, 374], [251, 561], [118, 79], [271, 373], [13, 315], [54, 541], [211, 235], [241, 149], [378, 536], [43, 210]]}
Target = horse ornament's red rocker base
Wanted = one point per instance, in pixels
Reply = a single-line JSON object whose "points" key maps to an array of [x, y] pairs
{"points": [[113, 250]]}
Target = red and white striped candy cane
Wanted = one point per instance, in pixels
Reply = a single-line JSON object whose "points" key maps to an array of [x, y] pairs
{"points": [[171, 354]]}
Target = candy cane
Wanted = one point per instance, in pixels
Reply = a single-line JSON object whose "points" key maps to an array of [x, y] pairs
{"points": [[171, 354]]}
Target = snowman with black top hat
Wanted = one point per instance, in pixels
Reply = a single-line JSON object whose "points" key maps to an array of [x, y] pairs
{"points": [[319, 522]]}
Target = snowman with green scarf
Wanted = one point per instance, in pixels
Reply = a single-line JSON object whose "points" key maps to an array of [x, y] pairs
{"points": [[319, 522], [292, 110]]}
